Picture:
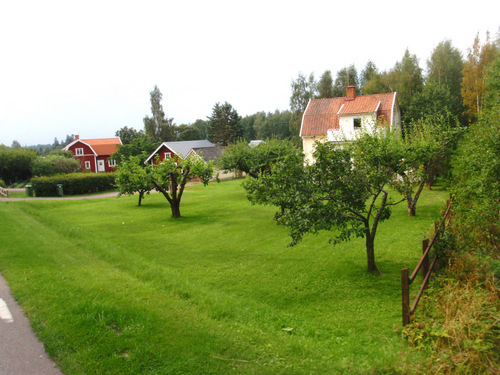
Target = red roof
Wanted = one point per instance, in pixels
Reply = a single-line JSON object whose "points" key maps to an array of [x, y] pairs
{"points": [[323, 114], [101, 146]]}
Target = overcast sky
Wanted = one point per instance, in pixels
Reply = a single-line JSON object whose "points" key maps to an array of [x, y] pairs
{"points": [[87, 67]]}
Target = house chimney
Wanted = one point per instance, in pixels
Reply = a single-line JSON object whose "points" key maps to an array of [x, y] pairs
{"points": [[351, 92], [77, 137]]}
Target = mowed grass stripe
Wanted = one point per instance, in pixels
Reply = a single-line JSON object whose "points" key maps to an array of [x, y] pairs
{"points": [[115, 288]]}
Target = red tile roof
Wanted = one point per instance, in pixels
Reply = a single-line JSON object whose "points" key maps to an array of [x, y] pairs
{"points": [[323, 114], [103, 146]]}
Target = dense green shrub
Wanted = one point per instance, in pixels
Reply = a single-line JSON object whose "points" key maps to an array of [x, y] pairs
{"points": [[74, 183], [15, 163], [54, 164], [2, 183]]}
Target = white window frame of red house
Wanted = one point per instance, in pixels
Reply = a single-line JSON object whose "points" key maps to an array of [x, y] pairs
{"points": [[111, 163], [87, 165], [79, 151], [167, 155]]}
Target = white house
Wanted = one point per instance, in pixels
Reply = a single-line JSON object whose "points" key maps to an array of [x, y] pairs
{"points": [[333, 119]]}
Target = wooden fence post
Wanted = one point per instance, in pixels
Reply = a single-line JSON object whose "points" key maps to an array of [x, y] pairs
{"points": [[425, 263], [405, 292]]}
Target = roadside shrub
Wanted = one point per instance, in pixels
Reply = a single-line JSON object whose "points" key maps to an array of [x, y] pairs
{"points": [[15, 163], [54, 164], [74, 183]]}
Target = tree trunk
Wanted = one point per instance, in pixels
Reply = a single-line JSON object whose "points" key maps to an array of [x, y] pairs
{"points": [[370, 254], [176, 208], [412, 208], [141, 195]]}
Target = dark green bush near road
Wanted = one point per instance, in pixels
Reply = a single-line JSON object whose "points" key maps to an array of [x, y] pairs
{"points": [[15, 163], [54, 164], [73, 184]]}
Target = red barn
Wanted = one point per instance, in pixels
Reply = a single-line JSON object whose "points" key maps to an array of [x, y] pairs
{"points": [[93, 154]]}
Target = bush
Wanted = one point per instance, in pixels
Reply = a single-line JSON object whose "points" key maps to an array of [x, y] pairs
{"points": [[2, 183], [15, 163], [54, 164], [74, 183]]}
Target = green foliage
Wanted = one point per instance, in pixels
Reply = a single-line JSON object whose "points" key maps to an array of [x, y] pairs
{"points": [[132, 178], [158, 128], [325, 86], [187, 133], [73, 184], [15, 163], [347, 76], [477, 181], [255, 160], [55, 163], [458, 320], [2, 183], [171, 176], [473, 88], [127, 135], [342, 190], [434, 102], [141, 146], [224, 127]]}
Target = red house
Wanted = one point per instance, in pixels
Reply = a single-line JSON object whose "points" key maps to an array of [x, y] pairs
{"points": [[177, 149], [93, 154]]}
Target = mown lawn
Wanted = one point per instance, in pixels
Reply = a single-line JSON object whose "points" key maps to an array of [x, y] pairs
{"points": [[119, 289]]}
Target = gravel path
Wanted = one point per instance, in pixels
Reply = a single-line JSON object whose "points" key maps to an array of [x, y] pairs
{"points": [[96, 196]]}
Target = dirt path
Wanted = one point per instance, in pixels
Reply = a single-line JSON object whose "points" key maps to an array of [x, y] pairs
{"points": [[96, 196]]}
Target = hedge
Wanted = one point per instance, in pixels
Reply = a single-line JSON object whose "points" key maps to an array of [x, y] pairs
{"points": [[73, 183]]}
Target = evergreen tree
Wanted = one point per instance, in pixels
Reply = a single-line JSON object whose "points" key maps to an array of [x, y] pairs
{"points": [[224, 126]]}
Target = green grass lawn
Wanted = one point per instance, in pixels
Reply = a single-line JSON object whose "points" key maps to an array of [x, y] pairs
{"points": [[114, 288]]}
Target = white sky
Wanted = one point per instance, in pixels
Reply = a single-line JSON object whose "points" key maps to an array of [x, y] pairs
{"points": [[87, 67]]}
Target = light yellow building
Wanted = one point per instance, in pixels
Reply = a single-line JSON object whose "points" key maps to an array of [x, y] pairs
{"points": [[339, 119]]}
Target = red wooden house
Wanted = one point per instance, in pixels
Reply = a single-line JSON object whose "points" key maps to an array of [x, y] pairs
{"points": [[93, 154], [177, 149]]}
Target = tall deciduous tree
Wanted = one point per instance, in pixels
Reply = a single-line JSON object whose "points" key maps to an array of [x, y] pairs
{"points": [[224, 127], [127, 134], [368, 73], [158, 128], [444, 70], [303, 90], [406, 78], [325, 86], [473, 90], [347, 76]]}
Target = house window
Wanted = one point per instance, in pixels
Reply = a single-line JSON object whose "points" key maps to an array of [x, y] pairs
{"points": [[111, 163], [167, 155], [79, 151], [87, 165], [357, 123]]}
